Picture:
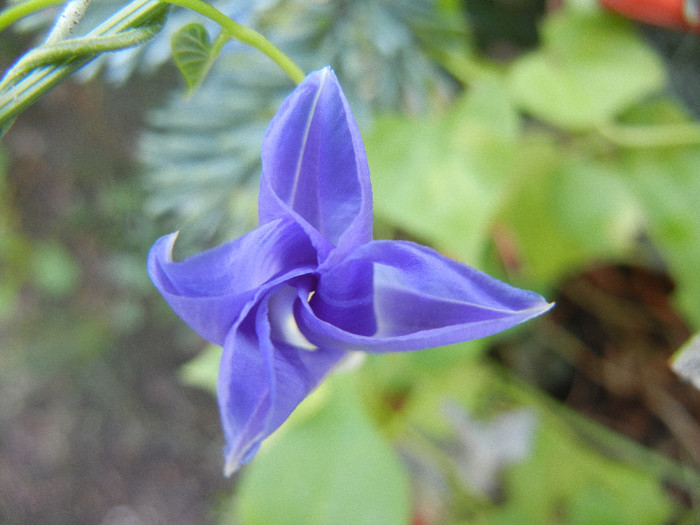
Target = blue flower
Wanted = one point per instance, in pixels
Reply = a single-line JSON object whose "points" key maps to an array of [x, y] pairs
{"points": [[292, 298]]}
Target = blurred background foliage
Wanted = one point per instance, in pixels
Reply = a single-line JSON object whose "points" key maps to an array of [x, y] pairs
{"points": [[550, 143]]}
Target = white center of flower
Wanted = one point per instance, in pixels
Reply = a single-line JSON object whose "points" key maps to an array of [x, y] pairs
{"points": [[284, 326], [293, 335]]}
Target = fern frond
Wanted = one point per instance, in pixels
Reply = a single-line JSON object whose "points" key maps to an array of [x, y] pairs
{"points": [[202, 155]]}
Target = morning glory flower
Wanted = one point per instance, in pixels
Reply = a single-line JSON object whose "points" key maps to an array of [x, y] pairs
{"points": [[292, 298]]}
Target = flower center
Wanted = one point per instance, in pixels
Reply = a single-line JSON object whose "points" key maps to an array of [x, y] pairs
{"points": [[284, 326]]}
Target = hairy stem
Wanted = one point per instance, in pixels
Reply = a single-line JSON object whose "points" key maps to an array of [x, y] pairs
{"points": [[24, 85], [67, 49], [71, 16], [44, 67], [10, 15]]}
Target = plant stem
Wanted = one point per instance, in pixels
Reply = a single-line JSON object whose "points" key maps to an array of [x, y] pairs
{"points": [[245, 35], [44, 67], [29, 85], [64, 50], [72, 14], [10, 15], [651, 136]]}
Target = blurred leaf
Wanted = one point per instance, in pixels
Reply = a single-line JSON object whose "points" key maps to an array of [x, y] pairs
{"points": [[203, 371], [66, 340], [55, 270], [442, 179], [666, 181], [193, 54], [329, 465], [563, 212], [202, 157], [558, 480], [590, 67], [580, 485], [15, 248]]}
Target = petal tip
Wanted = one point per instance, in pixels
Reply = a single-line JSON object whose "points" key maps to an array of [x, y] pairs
{"points": [[543, 308], [323, 72], [164, 245], [234, 458], [231, 467]]}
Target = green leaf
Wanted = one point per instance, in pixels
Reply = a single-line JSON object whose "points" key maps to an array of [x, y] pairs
{"points": [[563, 212], [203, 370], [666, 182], [590, 67], [442, 179], [193, 54], [575, 472], [581, 484], [56, 272], [327, 464]]}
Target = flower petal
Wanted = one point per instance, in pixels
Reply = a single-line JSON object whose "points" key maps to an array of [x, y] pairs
{"points": [[264, 376], [209, 290], [421, 300], [315, 168], [345, 298]]}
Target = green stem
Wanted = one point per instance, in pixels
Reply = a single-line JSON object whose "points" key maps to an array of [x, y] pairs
{"points": [[245, 35], [72, 14], [651, 136], [49, 64], [10, 15], [220, 41], [36, 82], [75, 47]]}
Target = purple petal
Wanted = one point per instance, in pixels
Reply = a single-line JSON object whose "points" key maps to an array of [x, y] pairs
{"points": [[345, 298], [421, 300], [315, 169], [264, 375], [209, 290]]}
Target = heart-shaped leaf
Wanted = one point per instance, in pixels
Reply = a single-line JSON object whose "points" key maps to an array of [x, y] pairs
{"points": [[193, 54]]}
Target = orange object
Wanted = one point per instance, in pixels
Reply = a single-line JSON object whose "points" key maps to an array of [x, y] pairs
{"points": [[683, 15]]}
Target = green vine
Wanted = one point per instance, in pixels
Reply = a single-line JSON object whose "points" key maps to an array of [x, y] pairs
{"points": [[12, 14], [68, 49], [48, 64], [245, 35], [44, 67]]}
